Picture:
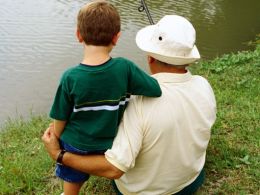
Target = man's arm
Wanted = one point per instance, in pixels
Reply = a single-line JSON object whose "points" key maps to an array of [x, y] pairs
{"points": [[119, 159], [92, 164]]}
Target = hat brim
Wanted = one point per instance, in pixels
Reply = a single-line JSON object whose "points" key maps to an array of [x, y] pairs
{"points": [[143, 41]]}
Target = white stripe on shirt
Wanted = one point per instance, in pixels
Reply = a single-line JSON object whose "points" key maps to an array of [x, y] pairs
{"points": [[103, 107]]}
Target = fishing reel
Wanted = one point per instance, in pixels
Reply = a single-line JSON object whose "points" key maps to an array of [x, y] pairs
{"points": [[143, 7]]}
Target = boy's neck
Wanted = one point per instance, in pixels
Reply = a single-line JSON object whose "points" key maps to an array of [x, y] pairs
{"points": [[96, 55]]}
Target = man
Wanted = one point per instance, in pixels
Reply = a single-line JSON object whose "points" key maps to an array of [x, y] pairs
{"points": [[161, 144]]}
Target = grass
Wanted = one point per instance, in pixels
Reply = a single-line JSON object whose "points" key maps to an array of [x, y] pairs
{"points": [[25, 167], [233, 154], [233, 157]]}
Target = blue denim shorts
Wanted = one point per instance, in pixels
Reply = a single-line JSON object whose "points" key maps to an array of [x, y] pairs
{"points": [[71, 175]]}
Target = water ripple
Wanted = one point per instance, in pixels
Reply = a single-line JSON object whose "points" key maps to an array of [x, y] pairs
{"points": [[37, 40]]}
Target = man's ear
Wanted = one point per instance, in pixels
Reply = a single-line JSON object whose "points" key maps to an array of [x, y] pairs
{"points": [[78, 35], [115, 38], [152, 65], [150, 59]]}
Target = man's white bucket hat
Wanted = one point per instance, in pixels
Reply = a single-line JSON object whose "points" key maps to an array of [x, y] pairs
{"points": [[171, 40]]}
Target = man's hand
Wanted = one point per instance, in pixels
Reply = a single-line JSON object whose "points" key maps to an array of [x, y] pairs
{"points": [[51, 142], [92, 164]]}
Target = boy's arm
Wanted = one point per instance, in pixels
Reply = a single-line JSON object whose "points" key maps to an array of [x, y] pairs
{"points": [[62, 107], [58, 127], [141, 83]]}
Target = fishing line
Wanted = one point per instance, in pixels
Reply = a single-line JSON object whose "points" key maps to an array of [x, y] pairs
{"points": [[143, 7]]}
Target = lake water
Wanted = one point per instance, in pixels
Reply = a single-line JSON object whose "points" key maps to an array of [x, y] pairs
{"points": [[37, 41]]}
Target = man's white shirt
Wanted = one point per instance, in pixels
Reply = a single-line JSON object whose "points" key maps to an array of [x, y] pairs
{"points": [[161, 142]]}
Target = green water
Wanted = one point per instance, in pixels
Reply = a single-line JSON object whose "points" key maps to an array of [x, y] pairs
{"points": [[37, 41]]}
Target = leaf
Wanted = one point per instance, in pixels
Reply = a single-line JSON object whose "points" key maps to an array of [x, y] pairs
{"points": [[245, 160]]}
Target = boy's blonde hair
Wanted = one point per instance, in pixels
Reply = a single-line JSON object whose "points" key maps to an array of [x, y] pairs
{"points": [[98, 23]]}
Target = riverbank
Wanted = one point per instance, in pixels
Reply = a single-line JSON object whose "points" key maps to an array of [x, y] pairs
{"points": [[232, 164]]}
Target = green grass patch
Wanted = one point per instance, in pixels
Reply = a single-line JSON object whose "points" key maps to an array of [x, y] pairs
{"points": [[232, 164], [233, 158], [25, 167]]}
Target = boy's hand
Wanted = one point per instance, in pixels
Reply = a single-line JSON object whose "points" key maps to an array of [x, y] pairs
{"points": [[51, 142]]}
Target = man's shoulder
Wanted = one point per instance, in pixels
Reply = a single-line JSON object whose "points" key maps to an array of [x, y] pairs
{"points": [[200, 79], [140, 101]]}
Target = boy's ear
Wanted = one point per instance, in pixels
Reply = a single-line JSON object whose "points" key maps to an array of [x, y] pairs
{"points": [[79, 37], [115, 38]]}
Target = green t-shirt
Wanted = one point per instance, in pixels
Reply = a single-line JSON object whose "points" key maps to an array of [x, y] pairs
{"points": [[92, 100]]}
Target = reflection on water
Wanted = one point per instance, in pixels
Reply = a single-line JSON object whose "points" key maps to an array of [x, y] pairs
{"points": [[37, 41]]}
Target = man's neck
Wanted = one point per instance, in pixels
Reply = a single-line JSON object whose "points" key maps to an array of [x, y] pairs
{"points": [[168, 69], [172, 69], [96, 55]]}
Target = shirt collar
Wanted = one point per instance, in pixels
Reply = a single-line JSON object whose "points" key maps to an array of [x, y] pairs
{"points": [[173, 77]]}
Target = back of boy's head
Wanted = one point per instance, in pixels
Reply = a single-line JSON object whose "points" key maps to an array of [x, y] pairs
{"points": [[98, 23]]}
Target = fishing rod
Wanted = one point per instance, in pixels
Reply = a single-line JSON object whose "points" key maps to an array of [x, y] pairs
{"points": [[143, 7]]}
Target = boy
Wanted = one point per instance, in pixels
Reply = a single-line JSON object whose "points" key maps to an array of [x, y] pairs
{"points": [[92, 96]]}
